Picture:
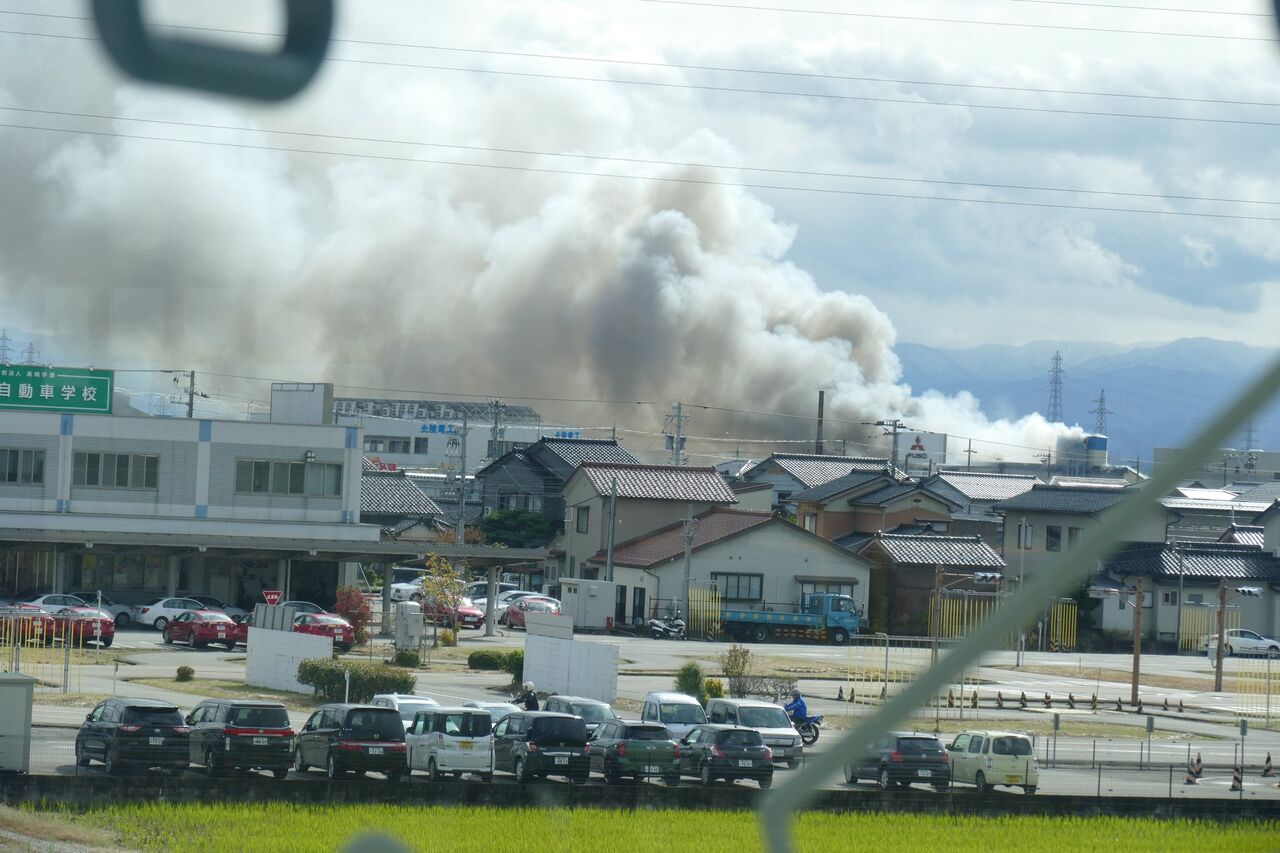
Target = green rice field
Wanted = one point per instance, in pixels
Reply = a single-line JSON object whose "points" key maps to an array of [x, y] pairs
{"points": [[275, 826]]}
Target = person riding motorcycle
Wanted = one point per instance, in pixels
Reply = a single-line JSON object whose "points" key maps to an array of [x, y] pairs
{"points": [[529, 698], [796, 708]]}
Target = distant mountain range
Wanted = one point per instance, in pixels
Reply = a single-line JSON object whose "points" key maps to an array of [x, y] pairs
{"points": [[1158, 392]]}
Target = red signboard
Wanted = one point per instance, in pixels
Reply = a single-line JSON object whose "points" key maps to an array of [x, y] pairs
{"points": [[272, 596]]}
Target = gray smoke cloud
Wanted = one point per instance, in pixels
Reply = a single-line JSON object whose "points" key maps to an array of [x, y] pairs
{"points": [[402, 275]]}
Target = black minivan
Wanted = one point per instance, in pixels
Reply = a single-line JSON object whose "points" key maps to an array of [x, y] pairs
{"points": [[532, 744], [134, 734], [241, 734], [352, 739]]}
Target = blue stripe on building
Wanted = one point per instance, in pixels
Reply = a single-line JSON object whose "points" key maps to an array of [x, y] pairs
{"points": [[206, 430], [68, 424], [202, 510]]}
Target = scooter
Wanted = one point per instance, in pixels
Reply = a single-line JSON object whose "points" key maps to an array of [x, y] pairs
{"points": [[669, 628], [807, 728]]}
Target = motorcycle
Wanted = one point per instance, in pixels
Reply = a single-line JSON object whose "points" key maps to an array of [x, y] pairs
{"points": [[669, 628], [807, 727]]}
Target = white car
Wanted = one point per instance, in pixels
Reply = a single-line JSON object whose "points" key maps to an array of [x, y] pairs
{"points": [[300, 607], [1241, 641], [480, 589], [451, 740], [504, 598], [989, 758], [162, 611], [121, 613], [54, 603], [497, 710], [407, 591], [405, 705], [211, 603]]}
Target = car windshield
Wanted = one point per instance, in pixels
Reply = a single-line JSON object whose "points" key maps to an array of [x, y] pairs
{"points": [[558, 728], [593, 713], [210, 602], [328, 620], [1011, 746], [740, 738], [764, 718], [648, 733], [147, 716], [681, 712], [538, 605], [409, 710], [376, 723], [464, 725], [90, 614], [215, 617], [257, 716], [919, 745]]}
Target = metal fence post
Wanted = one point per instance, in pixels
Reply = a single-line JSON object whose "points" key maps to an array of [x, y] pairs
{"points": [[1099, 779]]}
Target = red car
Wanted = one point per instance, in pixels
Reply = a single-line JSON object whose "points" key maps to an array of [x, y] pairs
{"points": [[86, 625], [514, 617], [26, 623], [327, 625], [465, 615], [202, 627]]}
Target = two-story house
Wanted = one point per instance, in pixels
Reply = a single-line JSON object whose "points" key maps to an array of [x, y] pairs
{"points": [[789, 473], [867, 502], [534, 477]]}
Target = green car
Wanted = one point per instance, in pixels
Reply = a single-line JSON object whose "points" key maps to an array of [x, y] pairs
{"points": [[621, 748]]}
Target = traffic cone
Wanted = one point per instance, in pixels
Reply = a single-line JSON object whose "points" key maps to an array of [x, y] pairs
{"points": [[1023, 700], [1093, 703], [1071, 701], [1199, 766], [1267, 769], [840, 694], [1180, 706], [1119, 705], [1166, 703], [1237, 779], [1139, 704], [973, 703], [1048, 701], [999, 699], [1190, 778], [951, 698]]}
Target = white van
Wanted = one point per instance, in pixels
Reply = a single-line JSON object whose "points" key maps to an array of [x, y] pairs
{"points": [[677, 711], [990, 758], [451, 740], [770, 720]]}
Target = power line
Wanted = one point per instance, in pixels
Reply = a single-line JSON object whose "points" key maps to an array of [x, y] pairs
{"points": [[965, 21], [653, 178], [639, 160], [1132, 8]]}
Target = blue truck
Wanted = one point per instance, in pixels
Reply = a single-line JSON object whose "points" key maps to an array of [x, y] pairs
{"points": [[827, 618]]}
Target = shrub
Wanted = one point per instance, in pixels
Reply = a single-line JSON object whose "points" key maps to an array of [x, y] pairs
{"points": [[449, 637], [407, 658], [327, 678], [354, 607], [689, 681], [487, 659], [713, 688], [736, 664], [514, 664], [185, 673]]}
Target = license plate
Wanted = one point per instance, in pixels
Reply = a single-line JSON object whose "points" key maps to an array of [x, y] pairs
{"points": [[1013, 780], [156, 741], [466, 744], [375, 750], [259, 741], [925, 774], [744, 762], [562, 759], [652, 769]]}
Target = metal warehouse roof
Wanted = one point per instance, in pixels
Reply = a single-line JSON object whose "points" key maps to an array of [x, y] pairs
{"points": [[660, 482]]}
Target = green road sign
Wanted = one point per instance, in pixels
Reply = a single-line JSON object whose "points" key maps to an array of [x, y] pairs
{"points": [[56, 389]]}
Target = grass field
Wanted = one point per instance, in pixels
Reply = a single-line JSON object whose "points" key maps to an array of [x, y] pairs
{"points": [[220, 689], [262, 827]]}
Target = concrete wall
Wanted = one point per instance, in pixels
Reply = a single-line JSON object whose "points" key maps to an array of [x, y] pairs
{"points": [[572, 668], [273, 658]]}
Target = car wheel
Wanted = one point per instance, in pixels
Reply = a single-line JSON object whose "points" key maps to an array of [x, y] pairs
{"points": [[198, 644], [611, 776], [521, 774], [850, 777], [1228, 651], [331, 768], [839, 636], [231, 647], [395, 776], [123, 620], [109, 764], [344, 647], [884, 781], [704, 774], [211, 763], [1029, 789], [1273, 652], [766, 781], [671, 781], [160, 623], [433, 772], [417, 596], [486, 778], [297, 761], [168, 638], [81, 759], [793, 763], [106, 644], [759, 634], [941, 789], [980, 781]]}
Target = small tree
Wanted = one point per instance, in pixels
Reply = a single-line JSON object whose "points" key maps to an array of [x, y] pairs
{"points": [[516, 528], [442, 588], [690, 682], [354, 607], [736, 665]]}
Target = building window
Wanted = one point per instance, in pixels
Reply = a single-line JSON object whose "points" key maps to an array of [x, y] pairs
{"points": [[375, 444], [1052, 537], [25, 467], [1169, 598], [740, 587], [420, 444], [397, 445], [807, 589], [811, 522], [1073, 536], [1195, 598], [115, 470], [584, 516], [310, 479]]}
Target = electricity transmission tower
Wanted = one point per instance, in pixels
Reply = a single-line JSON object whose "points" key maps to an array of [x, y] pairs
{"points": [[1100, 409], [1055, 389]]}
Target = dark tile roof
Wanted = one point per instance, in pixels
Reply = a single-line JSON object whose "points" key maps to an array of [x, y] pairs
{"points": [[1243, 534], [1082, 500], [1205, 560], [449, 511], [740, 488], [1245, 508], [1267, 492], [881, 497], [575, 451], [387, 493], [660, 482], [814, 470], [977, 486], [853, 541], [667, 543], [826, 491], [968, 552]]}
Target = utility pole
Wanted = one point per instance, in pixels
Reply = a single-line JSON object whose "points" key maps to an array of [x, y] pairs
{"points": [[817, 444], [891, 427], [1022, 549], [613, 526], [1047, 459], [1222, 636], [674, 430], [1100, 409], [460, 534], [1055, 389], [497, 431], [968, 462], [1248, 435], [937, 609], [1177, 649], [191, 393], [1137, 643], [688, 558], [6, 347]]}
